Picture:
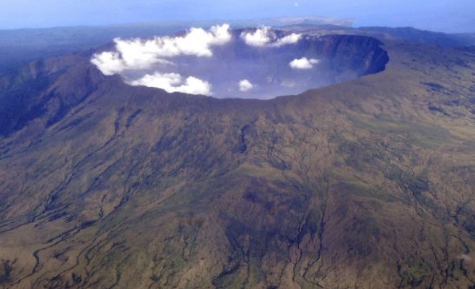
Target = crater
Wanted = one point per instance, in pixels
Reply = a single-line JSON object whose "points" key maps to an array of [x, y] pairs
{"points": [[259, 63]]}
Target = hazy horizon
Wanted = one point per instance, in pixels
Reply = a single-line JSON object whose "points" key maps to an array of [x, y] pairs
{"points": [[439, 15]]}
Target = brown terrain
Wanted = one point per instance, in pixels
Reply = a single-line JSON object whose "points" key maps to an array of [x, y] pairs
{"points": [[368, 183]]}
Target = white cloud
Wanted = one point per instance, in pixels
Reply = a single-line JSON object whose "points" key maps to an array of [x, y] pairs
{"points": [[260, 37], [109, 63], [289, 39], [173, 82], [139, 54], [303, 63], [296, 4], [264, 36], [245, 85]]}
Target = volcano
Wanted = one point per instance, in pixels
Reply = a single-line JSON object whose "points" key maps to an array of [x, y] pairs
{"points": [[366, 182]]}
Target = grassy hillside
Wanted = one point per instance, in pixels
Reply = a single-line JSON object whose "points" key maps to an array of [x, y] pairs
{"points": [[365, 184]]}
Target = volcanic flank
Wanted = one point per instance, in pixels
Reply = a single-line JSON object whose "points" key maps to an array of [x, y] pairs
{"points": [[365, 184], [218, 62]]}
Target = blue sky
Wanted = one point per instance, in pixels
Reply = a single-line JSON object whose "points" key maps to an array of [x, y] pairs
{"points": [[439, 15]]}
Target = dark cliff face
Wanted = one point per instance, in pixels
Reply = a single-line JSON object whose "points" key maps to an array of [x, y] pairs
{"points": [[364, 55], [362, 184], [45, 90]]}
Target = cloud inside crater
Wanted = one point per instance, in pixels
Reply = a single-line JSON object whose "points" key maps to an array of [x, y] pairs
{"points": [[289, 39], [174, 82], [265, 36], [260, 37], [303, 63], [150, 62], [245, 85]]}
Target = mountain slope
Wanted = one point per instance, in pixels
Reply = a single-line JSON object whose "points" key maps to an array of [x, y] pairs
{"points": [[365, 184]]}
